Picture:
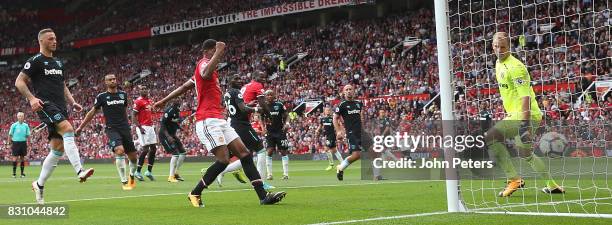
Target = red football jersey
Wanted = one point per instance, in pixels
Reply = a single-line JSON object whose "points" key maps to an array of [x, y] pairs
{"points": [[251, 90], [142, 107], [257, 127], [208, 93]]}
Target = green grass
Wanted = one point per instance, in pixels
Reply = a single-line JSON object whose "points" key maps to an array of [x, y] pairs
{"points": [[314, 196]]}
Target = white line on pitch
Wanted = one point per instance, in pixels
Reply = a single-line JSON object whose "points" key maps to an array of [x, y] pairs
{"points": [[30, 179], [234, 190], [382, 218]]}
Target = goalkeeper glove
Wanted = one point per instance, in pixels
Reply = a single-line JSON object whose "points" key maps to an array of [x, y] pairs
{"points": [[523, 140]]}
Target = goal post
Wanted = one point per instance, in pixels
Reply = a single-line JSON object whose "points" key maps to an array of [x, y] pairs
{"points": [[446, 97], [564, 44]]}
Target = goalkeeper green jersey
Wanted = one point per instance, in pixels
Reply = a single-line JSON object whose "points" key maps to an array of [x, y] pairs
{"points": [[514, 83]]}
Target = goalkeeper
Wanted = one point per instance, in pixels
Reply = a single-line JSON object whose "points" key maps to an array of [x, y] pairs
{"points": [[523, 116]]}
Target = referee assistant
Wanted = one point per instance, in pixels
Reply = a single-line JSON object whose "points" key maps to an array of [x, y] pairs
{"points": [[18, 137]]}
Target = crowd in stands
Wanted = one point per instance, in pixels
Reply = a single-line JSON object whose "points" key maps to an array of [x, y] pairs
{"points": [[91, 19], [350, 52]]}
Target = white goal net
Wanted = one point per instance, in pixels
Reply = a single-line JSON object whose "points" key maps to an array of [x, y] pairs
{"points": [[567, 50]]}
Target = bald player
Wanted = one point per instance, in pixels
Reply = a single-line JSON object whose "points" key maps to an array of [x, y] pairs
{"points": [[18, 139], [523, 116], [44, 73], [347, 123]]}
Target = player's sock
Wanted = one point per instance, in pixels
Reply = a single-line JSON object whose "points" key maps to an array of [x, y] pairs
{"points": [[389, 155], [339, 156], [345, 163], [48, 166], [22, 166], [285, 160], [538, 166], [120, 164], [133, 167], [502, 158], [269, 165], [173, 165], [211, 173], [72, 151], [151, 157], [141, 158], [14, 167], [330, 158], [261, 162], [375, 171], [251, 172], [179, 163], [235, 165]]}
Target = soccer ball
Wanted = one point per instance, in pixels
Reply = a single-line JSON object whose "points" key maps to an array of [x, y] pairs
{"points": [[553, 144]]}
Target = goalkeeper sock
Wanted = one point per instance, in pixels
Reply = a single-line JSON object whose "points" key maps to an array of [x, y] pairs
{"points": [[14, 168], [502, 158], [330, 158], [120, 164], [339, 156], [48, 166], [538, 166]]}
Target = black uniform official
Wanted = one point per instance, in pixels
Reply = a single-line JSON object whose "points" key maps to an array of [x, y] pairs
{"points": [[329, 131], [47, 76], [239, 120], [276, 136], [114, 107], [350, 111], [169, 125]]}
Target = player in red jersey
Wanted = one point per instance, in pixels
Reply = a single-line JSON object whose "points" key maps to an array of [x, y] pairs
{"points": [[212, 128], [142, 118], [253, 90], [253, 94]]}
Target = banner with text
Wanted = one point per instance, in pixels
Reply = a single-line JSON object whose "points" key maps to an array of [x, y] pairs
{"points": [[277, 10]]}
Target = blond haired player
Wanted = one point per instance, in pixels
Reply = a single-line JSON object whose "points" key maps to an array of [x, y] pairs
{"points": [[522, 119]]}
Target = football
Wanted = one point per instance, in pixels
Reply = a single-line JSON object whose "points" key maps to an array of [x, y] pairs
{"points": [[553, 144]]}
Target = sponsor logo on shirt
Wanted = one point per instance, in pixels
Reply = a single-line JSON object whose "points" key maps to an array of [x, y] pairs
{"points": [[115, 102], [53, 72], [356, 111]]}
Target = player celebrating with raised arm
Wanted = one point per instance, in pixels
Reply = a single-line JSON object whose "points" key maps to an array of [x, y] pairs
{"points": [[142, 118], [114, 103], [213, 131], [170, 123], [327, 125], [523, 118], [46, 75], [276, 137], [350, 111]]}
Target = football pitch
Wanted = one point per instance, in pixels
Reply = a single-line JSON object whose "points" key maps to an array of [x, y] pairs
{"points": [[314, 196]]}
